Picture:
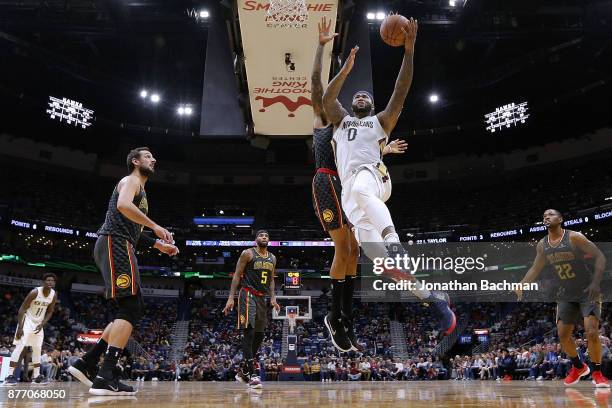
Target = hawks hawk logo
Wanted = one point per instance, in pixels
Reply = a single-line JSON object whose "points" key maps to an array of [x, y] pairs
{"points": [[328, 215], [123, 281]]}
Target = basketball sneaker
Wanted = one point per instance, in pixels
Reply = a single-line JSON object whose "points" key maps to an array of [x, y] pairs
{"points": [[10, 381], [255, 382], [441, 304], [576, 374], [600, 380], [338, 333], [349, 327], [102, 386], [82, 372], [241, 377], [40, 380]]}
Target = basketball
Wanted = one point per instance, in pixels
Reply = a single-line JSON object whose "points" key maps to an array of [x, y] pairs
{"points": [[391, 30]]}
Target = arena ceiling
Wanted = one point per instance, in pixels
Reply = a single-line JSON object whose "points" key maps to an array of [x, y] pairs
{"points": [[556, 54]]}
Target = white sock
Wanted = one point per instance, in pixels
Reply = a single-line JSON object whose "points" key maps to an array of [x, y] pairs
{"points": [[36, 371], [11, 370], [392, 238]]}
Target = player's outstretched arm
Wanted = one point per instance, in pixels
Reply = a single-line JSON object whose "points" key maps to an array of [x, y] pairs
{"points": [[532, 274], [581, 242], [244, 259], [317, 67], [388, 117], [333, 109]]}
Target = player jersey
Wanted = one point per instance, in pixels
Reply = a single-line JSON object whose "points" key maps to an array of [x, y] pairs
{"points": [[568, 266], [322, 148], [358, 142], [118, 225], [258, 272], [38, 308]]}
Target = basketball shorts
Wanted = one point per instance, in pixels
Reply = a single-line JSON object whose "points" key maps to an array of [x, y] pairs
{"points": [[29, 337], [116, 260], [252, 311], [326, 196], [575, 312], [380, 185]]}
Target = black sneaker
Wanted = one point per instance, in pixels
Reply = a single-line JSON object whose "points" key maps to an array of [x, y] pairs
{"points": [[102, 386], [441, 304], [40, 380], [82, 372], [10, 381], [338, 333], [349, 326]]}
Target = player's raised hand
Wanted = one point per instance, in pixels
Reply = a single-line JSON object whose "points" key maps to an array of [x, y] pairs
{"points": [[397, 146], [165, 248], [324, 28], [410, 33], [229, 306], [163, 234], [350, 61]]}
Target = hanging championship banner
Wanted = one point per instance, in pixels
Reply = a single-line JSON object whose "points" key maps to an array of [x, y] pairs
{"points": [[278, 59]]}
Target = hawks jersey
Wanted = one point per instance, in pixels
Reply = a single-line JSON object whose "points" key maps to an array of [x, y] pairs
{"points": [[38, 308], [568, 266], [258, 272], [117, 224], [358, 142], [322, 148]]}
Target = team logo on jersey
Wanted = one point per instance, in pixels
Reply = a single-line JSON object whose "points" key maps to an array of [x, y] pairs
{"points": [[328, 215], [123, 281]]}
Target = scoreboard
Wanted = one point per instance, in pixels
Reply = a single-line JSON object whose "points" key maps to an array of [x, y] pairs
{"points": [[293, 280]]}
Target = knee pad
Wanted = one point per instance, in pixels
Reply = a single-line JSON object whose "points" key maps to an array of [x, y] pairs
{"points": [[131, 308]]}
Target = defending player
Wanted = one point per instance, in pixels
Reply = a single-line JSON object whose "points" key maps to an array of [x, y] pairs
{"points": [[115, 257], [326, 193], [255, 273], [360, 141], [579, 294], [35, 311]]}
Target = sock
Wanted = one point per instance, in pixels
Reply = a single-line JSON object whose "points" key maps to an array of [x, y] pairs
{"points": [[11, 370], [347, 296], [36, 372], [596, 366], [576, 362], [110, 361], [92, 357], [337, 291], [391, 237], [257, 340]]}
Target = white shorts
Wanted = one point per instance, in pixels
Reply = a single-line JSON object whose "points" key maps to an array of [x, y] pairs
{"points": [[380, 188], [30, 338]]}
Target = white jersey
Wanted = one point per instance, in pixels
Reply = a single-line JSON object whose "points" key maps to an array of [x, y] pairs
{"points": [[35, 314], [357, 143]]}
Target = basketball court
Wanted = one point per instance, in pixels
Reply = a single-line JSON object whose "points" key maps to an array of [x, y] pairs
{"points": [[312, 394]]}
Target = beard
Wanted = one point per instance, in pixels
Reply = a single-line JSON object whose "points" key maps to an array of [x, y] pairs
{"points": [[146, 171], [366, 109], [262, 244]]}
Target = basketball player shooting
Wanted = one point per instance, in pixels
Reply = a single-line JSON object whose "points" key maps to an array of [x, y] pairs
{"points": [[115, 257], [326, 193], [35, 311], [579, 294], [360, 141], [255, 274]]}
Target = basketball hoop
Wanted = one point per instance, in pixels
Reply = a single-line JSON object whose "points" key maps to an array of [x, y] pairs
{"points": [[288, 11], [292, 312]]}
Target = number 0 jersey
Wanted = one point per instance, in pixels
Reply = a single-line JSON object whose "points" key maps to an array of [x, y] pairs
{"points": [[358, 142], [569, 267], [258, 272]]}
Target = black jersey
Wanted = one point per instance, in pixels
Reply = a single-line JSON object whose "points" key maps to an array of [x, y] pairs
{"points": [[569, 267], [323, 151], [118, 225], [258, 272]]}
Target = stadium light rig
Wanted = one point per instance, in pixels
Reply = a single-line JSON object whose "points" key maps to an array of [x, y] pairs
{"points": [[434, 98], [69, 111], [506, 116]]}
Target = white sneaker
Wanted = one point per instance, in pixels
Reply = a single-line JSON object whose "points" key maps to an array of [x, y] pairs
{"points": [[540, 378]]}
